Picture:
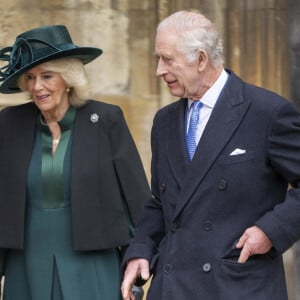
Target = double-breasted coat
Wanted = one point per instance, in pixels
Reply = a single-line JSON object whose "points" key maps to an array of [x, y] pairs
{"points": [[108, 182], [189, 229]]}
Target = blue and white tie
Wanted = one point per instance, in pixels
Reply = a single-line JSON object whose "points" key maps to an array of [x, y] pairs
{"points": [[191, 134]]}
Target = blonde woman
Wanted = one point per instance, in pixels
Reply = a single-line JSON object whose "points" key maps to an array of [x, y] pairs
{"points": [[71, 179]]}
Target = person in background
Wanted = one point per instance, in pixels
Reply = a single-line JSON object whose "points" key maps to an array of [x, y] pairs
{"points": [[72, 183], [225, 178]]}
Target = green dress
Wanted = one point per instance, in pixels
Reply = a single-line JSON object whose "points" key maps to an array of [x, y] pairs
{"points": [[49, 268]]}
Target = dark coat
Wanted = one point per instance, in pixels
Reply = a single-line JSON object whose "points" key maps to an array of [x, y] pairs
{"points": [[189, 230], [107, 177]]}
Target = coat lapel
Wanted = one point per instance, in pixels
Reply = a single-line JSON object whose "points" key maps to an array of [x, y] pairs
{"points": [[84, 155], [23, 131], [176, 146], [225, 118]]}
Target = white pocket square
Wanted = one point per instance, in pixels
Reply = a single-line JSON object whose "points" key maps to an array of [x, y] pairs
{"points": [[237, 151]]}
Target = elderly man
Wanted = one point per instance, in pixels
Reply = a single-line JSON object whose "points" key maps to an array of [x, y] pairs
{"points": [[223, 157]]}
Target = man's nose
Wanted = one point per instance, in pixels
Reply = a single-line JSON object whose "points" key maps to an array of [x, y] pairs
{"points": [[161, 68]]}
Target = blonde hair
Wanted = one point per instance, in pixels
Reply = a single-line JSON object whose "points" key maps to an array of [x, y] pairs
{"points": [[73, 73]]}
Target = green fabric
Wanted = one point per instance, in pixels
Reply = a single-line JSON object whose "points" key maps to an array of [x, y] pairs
{"points": [[49, 268], [53, 190]]}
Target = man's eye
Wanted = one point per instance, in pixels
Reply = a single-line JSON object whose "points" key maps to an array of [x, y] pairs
{"points": [[166, 58]]}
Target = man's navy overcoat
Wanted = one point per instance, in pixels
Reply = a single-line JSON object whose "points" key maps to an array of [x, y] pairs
{"points": [[199, 210]]}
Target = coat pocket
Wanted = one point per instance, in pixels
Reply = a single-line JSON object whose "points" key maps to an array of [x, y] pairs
{"points": [[260, 278], [233, 159]]}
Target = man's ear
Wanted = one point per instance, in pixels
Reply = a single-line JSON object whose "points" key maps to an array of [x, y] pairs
{"points": [[203, 60]]}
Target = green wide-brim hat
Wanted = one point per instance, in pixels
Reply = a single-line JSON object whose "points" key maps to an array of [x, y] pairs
{"points": [[37, 46]]}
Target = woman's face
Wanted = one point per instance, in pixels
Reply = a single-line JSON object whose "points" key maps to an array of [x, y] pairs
{"points": [[48, 90]]}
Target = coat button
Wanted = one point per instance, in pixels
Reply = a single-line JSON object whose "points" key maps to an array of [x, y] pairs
{"points": [[162, 187], [222, 184], [206, 267], [207, 225], [174, 227], [168, 268]]}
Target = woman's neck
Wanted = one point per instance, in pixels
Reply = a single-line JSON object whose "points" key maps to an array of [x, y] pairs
{"points": [[55, 116]]}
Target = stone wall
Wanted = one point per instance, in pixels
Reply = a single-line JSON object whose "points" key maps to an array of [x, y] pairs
{"points": [[94, 23], [254, 32]]}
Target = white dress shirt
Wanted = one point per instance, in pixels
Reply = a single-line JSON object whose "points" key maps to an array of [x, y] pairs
{"points": [[209, 100]]}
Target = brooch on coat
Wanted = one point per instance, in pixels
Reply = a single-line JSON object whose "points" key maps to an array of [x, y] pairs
{"points": [[94, 118]]}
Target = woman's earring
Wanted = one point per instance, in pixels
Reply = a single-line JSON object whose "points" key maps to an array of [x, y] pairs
{"points": [[67, 89]]}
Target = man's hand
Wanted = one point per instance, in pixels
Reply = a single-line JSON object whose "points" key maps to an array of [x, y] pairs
{"points": [[135, 268], [253, 241]]}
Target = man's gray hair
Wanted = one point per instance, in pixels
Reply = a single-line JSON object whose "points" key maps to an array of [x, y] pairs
{"points": [[196, 33]]}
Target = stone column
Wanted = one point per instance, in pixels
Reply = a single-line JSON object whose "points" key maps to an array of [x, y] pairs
{"points": [[255, 42]]}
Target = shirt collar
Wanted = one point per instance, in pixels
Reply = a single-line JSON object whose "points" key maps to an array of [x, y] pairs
{"points": [[212, 94]]}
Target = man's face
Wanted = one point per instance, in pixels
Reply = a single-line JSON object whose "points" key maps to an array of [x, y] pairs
{"points": [[183, 78]]}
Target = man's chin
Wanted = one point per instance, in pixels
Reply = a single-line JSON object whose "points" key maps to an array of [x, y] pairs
{"points": [[176, 93]]}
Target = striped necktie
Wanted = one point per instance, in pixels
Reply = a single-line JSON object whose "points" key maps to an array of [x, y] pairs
{"points": [[191, 134]]}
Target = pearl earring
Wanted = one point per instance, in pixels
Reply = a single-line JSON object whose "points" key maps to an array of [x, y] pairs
{"points": [[67, 89]]}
